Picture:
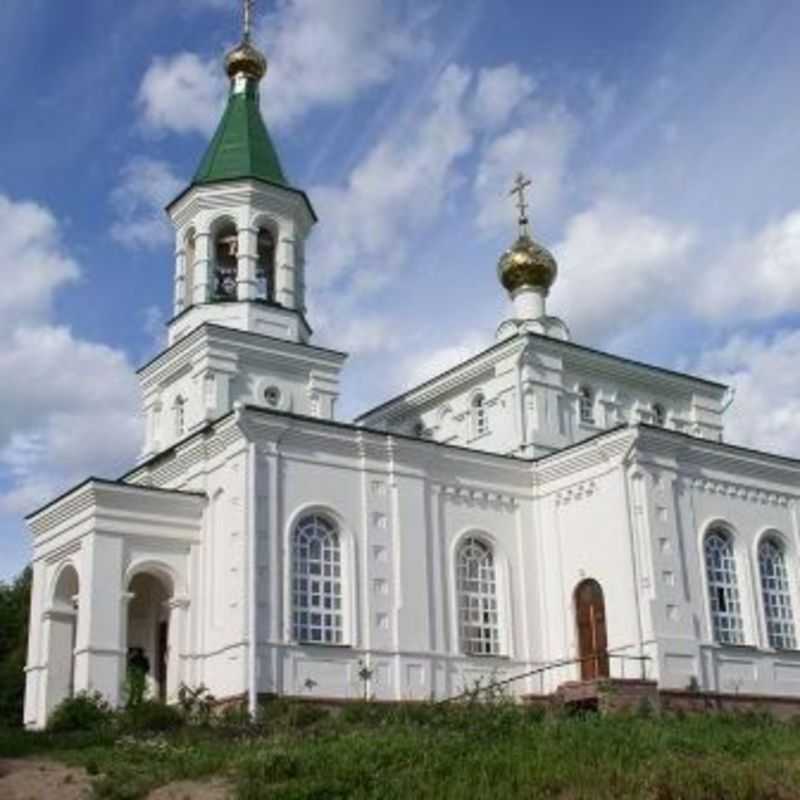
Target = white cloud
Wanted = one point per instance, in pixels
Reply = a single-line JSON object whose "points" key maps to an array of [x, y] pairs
{"points": [[617, 266], [68, 407], [540, 148], [498, 92], [765, 413], [398, 188], [325, 54], [146, 186], [426, 364], [320, 54], [33, 256], [183, 93], [755, 278]]}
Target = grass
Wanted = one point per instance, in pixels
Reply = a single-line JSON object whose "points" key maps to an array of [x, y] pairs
{"points": [[370, 751]]}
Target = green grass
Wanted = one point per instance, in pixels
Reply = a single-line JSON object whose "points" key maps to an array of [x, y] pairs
{"points": [[371, 751]]}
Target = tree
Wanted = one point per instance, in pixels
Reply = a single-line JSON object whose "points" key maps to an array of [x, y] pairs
{"points": [[15, 599]]}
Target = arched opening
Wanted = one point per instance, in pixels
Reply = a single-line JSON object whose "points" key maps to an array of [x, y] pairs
{"points": [[148, 651], [265, 266], [226, 254], [590, 619], [62, 623]]}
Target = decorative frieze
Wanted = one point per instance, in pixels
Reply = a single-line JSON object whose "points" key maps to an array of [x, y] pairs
{"points": [[747, 494], [576, 492], [472, 496]]}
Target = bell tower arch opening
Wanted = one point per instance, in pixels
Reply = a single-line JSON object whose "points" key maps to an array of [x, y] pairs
{"points": [[61, 632]]}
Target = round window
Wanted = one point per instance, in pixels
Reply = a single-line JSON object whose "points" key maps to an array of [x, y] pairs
{"points": [[272, 396]]}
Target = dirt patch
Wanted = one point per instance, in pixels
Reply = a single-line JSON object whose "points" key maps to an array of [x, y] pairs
{"points": [[191, 790], [23, 779]]}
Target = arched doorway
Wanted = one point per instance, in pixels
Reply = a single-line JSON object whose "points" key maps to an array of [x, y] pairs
{"points": [[61, 620], [148, 630], [590, 618]]}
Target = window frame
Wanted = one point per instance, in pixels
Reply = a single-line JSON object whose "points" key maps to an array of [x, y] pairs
{"points": [[586, 403], [776, 540], [497, 638], [479, 416], [739, 618]]}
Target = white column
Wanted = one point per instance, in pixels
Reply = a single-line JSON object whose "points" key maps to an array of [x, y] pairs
{"points": [[204, 267], [180, 280], [246, 264], [285, 276], [176, 644]]}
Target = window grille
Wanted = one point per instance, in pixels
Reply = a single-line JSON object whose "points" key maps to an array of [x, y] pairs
{"points": [[317, 582], [726, 607], [776, 595], [477, 598], [180, 416], [586, 404]]}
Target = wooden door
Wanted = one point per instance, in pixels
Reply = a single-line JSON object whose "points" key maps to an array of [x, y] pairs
{"points": [[590, 613]]}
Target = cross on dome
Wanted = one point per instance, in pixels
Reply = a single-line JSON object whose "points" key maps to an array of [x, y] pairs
{"points": [[521, 183], [248, 19]]}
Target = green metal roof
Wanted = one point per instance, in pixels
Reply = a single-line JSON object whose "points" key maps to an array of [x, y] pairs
{"points": [[241, 147]]}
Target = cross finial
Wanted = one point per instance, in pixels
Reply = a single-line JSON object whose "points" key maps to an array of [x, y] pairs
{"points": [[521, 183], [248, 19]]}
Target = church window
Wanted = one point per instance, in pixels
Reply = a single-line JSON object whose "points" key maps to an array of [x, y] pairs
{"points": [[265, 266], [226, 254], [586, 404], [477, 598], [180, 416], [659, 415], [726, 607], [480, 420], [776, 595], [317, 581]]}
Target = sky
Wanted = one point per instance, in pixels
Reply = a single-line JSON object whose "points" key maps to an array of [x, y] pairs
{"points": [[661, 139]]}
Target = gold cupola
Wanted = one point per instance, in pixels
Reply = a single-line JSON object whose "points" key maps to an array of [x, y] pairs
{"points": [[246, 60], [526, 264]]}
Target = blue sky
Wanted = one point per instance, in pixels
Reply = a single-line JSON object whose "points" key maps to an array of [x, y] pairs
{"points": [[661, 139]]}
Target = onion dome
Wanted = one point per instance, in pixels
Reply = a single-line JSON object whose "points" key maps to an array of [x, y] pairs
{"points": [[246, 60], [527, 263]]}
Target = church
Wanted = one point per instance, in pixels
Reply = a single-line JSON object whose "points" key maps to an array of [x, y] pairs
{"points": [[542, 514]]}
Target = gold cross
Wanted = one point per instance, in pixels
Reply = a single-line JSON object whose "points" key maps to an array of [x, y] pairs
{"points": [[521, 183], [248, 18]]}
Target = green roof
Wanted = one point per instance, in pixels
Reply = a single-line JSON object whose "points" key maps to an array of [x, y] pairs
{"points": [[241, 147]]}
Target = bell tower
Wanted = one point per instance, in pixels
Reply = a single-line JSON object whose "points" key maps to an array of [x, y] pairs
{"points": [[239, 333], [240, 226]]}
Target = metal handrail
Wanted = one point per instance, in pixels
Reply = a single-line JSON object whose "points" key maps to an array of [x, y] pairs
{"points": [[556, 665]]}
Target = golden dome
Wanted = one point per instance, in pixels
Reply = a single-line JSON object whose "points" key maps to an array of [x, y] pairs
{"points": [[527, 263], [246, 59]]}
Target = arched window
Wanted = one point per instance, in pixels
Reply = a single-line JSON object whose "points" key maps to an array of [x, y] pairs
{"points": [[265, 266], [226, 253], [723, 590], [317, 614], [476, 585], [659, 415], [480, 420], [180, 416], [586, 404], [776, 595]]}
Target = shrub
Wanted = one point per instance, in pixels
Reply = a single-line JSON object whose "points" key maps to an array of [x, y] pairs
{"points": [[152, 716], [197, 704], [82, 712]]}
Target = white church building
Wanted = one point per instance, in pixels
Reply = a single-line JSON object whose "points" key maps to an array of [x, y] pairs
{"points": [[542, 509]]}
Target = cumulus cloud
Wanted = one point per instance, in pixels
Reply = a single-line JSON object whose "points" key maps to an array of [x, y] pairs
{"points": [[763, 372], [146, 186], [70, 406], [320, 55], [618, 265], [425, 364], [35, 260], [183, 93], [397, 189], [499, 91], [755, 278], [540, 147]]}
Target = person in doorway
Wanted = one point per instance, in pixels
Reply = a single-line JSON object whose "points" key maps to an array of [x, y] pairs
{"points": [[138, 670]]}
